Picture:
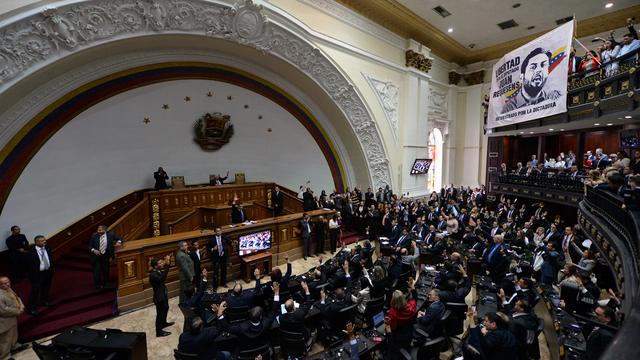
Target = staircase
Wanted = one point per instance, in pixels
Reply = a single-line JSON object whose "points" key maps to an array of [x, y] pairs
{"points": [[74, 299]]}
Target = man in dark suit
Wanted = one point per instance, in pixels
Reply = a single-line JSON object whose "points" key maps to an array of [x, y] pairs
{"points": [[369, 198], [185, 271], [218, 180], [196, 257], [218, 252], [430, 237], [102, 245], [496, 260], [522, 322], [254, 332], [308, 203], [404, 240], [238, 214], [239, 298], [278, 202], [429, 320], [200, 340], [18, 246], [40, 264], [157, 278], [601, 337], [419, 230], [293, 319], [305, 234], [161, 178]]}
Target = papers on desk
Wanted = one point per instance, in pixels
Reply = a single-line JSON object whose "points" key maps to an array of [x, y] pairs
{"points": [[326, 209], [430, 268]]}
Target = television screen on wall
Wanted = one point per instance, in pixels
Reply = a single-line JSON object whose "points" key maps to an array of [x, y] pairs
{"points": [[254, 242], [420, 166]]}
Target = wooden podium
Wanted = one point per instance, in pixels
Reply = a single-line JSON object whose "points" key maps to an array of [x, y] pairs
{"points": [[249, 264]]}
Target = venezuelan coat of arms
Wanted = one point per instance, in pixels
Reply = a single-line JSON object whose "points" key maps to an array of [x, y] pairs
{"points": [[213, 130]]}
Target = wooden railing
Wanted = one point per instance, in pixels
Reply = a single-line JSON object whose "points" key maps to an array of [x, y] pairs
{"points": [[133, 258], [80, 231], [188, 222], [614, 230], [135, 223], [291, 204]]}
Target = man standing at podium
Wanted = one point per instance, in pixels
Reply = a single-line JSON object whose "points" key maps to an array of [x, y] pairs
{"points": [[218, 254]]}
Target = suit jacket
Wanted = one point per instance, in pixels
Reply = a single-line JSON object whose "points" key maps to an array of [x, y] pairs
{"points": [[278, 200], [294, 321], [15, 242], [252, 336], [213, 242], [185, 267], [305, 229], [33, 262], [238, 215], [430, 322], [458, 295], [202, 343], [197, 268], [597, 342], [245, 298], [94, 244], [10, 305], [157, 280], [519, 326]]}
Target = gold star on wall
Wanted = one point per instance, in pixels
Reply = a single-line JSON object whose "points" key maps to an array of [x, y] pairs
{"points": [[209, 94], [229, 97], [186, 98], [146, 120], [246, 106], [259, 117], [165, 106]]}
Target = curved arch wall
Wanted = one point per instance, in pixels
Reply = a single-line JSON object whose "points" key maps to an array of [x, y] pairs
{"points": [[109, 148]]}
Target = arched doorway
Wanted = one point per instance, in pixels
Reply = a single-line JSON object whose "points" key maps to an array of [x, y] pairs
{"points": [[435, 153]]}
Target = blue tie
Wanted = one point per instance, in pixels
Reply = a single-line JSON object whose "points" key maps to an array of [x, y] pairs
{"points": [[493, 251]]}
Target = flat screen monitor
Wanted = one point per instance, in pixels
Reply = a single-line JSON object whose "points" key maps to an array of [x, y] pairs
{"points": [[254, 242], [420, 166], [630, 139]]}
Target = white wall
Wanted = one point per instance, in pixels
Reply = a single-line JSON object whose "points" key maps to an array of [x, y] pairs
{"points": [[107, 151]]}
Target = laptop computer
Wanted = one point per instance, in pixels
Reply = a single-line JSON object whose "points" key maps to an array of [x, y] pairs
{"points": [[378, 322]]}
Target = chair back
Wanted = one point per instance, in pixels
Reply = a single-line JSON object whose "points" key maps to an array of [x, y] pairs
{"points": [[251, 354], [80, 354], [46, 352], [373, 307], [431, 349], [346, 315], [292, 344], [237, 314], [455, 322], [179, 355]]}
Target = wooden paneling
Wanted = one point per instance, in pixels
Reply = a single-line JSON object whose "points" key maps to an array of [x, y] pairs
{"points": [[189, 222], [608, 140], [135, 223], [134, 257], [81, 230]]}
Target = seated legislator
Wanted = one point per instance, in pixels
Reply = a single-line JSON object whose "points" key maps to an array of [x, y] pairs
{"points": [[429, 320], [238, 215], [237, 298], [199, 340], [293, 319], [253, 332]]}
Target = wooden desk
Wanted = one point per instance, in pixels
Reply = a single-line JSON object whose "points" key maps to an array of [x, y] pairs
{"points": [[133, 258], [249, 264]]}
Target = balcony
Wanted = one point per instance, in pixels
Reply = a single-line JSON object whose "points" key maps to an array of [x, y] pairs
{"points": [[543, 187], [614, 230]]}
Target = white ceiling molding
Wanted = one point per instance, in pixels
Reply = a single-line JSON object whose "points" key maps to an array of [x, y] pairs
{"points": [[388, 95], [350, 17], [32, 42]]}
